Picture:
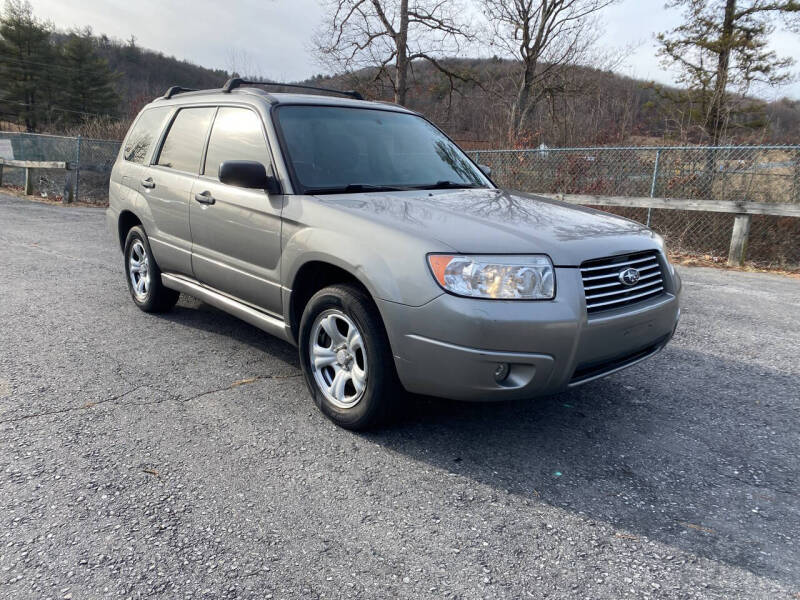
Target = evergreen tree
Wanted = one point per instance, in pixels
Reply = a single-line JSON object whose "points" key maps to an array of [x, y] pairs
{"points": [[87, 83], [26, 65], [721, 51]]}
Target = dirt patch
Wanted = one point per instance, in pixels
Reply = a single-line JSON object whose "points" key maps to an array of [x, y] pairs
{"points": [[17, 192], [708, 260]]}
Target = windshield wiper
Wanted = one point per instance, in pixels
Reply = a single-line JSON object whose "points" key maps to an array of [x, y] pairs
{"points": [[367, 187], [448, 185], [354, 188]]}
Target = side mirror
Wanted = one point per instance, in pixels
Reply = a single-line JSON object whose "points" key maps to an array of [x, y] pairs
{"points": [[248, 174], [486, 170]]}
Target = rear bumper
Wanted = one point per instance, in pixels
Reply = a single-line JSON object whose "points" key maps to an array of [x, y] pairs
{"points": [[112, 222], [452, 347]]}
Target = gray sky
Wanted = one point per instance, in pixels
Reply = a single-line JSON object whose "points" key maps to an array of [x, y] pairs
{"points": [[272, 37]]}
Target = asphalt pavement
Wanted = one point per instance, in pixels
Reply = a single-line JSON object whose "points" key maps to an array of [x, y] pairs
{"points": [[180, 456]]}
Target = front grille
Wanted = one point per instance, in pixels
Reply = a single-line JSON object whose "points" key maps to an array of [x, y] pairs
{"points": [[603, 288]]}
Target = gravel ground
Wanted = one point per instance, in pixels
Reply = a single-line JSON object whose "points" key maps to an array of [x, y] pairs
{"points": [[180, 455]]}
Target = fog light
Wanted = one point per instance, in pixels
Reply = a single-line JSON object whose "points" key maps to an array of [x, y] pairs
{"points": [[501, 372]]}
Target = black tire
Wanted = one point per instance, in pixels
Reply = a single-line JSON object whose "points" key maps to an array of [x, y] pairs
{"points": [[156, 298], [382, 385]]}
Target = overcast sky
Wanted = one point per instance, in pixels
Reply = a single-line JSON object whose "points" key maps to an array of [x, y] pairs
{"points": [[272, 37]]}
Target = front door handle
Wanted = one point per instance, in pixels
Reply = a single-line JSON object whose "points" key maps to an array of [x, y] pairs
{"points": [[148, 183], [205, 198]]}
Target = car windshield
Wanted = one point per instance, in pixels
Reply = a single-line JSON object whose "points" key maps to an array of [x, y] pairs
{"points": [[348, 150]]}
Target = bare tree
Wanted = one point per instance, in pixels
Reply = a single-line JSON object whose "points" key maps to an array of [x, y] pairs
{"points": [[389, 35], [547, 37], [241, 63]]}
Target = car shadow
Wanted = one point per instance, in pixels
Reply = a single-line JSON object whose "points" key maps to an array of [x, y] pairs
{"points": [[693, 451], [194, 313], [688, 449]]}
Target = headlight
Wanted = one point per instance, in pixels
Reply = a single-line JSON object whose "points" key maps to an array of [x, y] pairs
{"points": [[501, 277]]}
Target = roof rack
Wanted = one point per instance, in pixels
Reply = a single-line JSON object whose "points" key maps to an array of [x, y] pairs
{"points": [[235, 82], [176, 89]]}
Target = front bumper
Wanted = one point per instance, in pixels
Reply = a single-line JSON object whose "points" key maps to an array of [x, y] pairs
{"points": [[451, 347]]}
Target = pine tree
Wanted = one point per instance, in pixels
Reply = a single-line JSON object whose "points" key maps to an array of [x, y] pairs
{"points": [[87, 84], [721, 51], [26, 64]]}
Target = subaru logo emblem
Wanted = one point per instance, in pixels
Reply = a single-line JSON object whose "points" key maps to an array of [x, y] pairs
{"points": [[629, 276]]}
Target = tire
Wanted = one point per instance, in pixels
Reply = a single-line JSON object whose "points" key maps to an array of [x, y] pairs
{"points": [[365, 360], [144, 281]]}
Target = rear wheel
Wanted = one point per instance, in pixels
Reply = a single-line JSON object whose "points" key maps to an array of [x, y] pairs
{"points": [[346, 359], [144, 276]]}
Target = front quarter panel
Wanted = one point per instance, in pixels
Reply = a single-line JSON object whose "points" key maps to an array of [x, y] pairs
{"points": [[391, 263]]}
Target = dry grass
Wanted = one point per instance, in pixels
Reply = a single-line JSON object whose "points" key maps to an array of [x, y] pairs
{"points": [[718, 262], [17, 191], [11, 126]]}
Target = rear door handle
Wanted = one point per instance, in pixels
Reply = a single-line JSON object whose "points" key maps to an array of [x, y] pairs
{"points": [[205, 198], [148, 183]]}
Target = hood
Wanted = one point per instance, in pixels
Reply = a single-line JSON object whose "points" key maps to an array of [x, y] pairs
{"points": [[492, 221]]}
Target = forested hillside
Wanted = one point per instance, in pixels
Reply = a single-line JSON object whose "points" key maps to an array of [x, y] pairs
{"points": [[78, 82], [599, 108], [142, 74]]}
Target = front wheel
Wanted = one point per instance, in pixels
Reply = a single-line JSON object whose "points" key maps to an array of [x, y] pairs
{"points": [[346, 358]]}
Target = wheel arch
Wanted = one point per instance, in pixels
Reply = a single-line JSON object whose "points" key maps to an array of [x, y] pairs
{"points": [[126, 221], [313, 276]]}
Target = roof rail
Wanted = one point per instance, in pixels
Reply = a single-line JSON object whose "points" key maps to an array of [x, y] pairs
{"points": [[235, 82], [176, 89]]}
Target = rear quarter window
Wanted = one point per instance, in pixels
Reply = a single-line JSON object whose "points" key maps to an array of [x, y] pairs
{"points": [[144, 134], [183, 146]]}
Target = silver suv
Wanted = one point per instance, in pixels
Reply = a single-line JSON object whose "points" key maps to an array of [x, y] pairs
{"points": [[361, 233]]}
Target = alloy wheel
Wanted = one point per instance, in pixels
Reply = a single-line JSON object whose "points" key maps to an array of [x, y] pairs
{"points": [[338, 358], [139, 270]]}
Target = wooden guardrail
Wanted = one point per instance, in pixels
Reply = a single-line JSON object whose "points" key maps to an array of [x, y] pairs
{"points": [[71, 171], [742, 210], [30, 165]]}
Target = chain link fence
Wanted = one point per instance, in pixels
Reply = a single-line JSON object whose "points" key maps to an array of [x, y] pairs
{"points": [[769, 174], [91, 160]]}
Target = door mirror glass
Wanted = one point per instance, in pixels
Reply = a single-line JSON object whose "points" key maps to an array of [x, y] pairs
{"points": [[247, 174], [486, 170]]}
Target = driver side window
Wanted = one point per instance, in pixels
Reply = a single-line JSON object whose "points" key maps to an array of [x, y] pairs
{"points": [[237, 134]]}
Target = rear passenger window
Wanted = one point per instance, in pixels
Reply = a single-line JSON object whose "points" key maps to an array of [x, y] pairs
{"points": [[144, 134], [183, 146], [235, 135]]}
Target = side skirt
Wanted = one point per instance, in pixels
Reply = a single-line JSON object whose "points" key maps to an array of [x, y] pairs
{"points": [[257, 318]]}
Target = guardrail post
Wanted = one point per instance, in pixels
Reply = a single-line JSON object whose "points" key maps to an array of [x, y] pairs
{"points": [[797, 176], [653, 184], [77, 168], [67, 197], [739, 235], [28, 181]]}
